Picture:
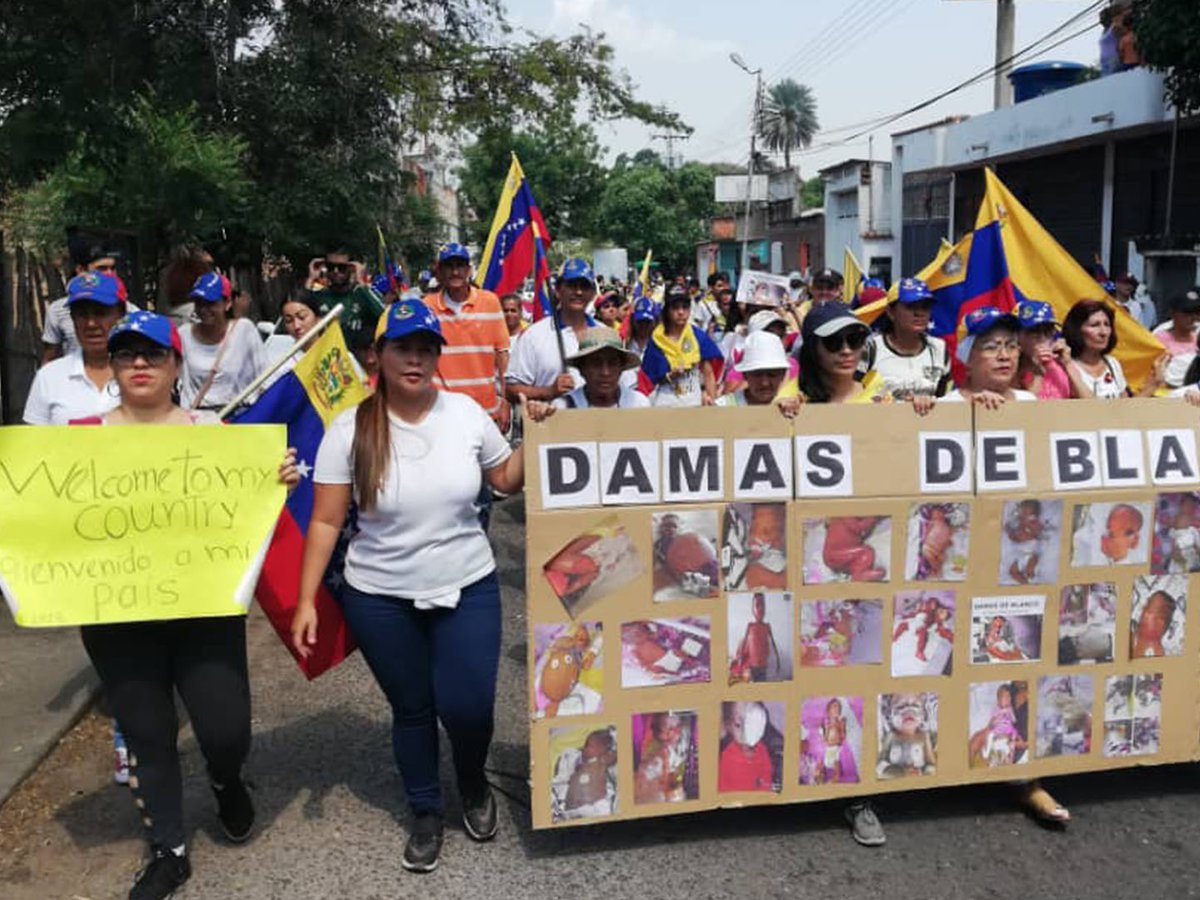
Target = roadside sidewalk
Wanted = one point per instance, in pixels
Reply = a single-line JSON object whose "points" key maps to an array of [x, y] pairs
{"points": [[46, 684]]}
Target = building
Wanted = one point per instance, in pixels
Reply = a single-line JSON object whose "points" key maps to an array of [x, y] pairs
{"points": [[858, 215], [1093, 162]]}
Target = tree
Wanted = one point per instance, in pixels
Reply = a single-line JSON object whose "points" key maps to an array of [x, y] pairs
{"points": [[812, 193], [789, 118], [1168, 36]]}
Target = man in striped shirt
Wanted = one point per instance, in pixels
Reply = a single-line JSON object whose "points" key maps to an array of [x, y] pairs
{"points": [[475, 357]]}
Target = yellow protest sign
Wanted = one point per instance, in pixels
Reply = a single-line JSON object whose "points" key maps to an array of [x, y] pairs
{"points": [[135, 523]]}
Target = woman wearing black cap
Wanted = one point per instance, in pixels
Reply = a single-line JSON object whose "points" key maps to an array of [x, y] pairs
{"points": [[833, 340]]}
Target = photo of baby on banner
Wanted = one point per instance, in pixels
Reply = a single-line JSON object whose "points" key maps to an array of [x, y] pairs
{"points": [[666, 758], [666, 651], [1087, 623], [763, 289], [751, 747], [908, 735], [584, 766], [595, 564], [1064, 717], [923, 633], [1132, 714], [1158, 615], [1029, 536], [938, 542], [760, 637], [568, 669], [998, 723], [831, 740], [1176, 534], [847, 548], [1111, 534], [754, 546], [841, 632], [1006, 629], [685, 555]]}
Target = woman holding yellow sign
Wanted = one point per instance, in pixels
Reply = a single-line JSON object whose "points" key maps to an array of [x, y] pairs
{"points": [[421, 597], [143, 664]]}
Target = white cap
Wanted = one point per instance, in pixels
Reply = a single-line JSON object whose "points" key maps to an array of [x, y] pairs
{"points": [[762, 351], [762, 319]]}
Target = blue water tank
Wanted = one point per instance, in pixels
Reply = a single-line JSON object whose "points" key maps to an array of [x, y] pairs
{"points": [[1039, 78]]}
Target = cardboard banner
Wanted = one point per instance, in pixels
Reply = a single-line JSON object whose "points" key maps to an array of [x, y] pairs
{"points": [[135, 523], [709, 629]]}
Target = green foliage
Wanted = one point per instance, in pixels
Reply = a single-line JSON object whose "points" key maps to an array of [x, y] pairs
{"points": [[789, 118], [646, 206], [1168, 36], [812, 193]]}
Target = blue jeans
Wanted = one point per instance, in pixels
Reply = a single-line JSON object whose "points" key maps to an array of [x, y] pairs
{"points": [[437, 664]]}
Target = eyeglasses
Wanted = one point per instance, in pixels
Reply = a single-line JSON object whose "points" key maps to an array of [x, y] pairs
{"points": [[854, 338], [154, 356], [995, 348]]}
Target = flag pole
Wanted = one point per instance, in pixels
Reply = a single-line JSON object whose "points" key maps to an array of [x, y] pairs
{"points": [[279, 363]]}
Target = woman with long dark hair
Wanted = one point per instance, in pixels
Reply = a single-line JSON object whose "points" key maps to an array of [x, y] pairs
{"points": [[830, 355], [422, 597]]}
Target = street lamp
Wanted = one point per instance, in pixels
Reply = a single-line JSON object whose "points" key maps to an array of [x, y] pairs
{"points": [[736, 59]]}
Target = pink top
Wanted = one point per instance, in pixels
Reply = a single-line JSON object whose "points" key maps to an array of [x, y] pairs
{"points": [[1055, 383]]}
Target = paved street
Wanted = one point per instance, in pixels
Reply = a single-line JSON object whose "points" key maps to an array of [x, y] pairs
{"points": [[329, 804]]}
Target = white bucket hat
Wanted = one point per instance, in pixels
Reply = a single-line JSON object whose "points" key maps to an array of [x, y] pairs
{"points": [[762, 351]]}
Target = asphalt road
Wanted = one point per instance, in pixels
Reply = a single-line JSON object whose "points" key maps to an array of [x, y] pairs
{"points": [[330, 813]]}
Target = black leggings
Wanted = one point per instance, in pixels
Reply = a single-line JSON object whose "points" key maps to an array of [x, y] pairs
{"points": [[141, 665]]}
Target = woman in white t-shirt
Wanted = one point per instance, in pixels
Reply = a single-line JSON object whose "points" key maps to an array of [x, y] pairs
{"points": [[221, 356], [1090, 331], [909, 361], [422, 597]]}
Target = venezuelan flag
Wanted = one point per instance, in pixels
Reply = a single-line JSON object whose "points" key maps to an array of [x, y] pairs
{"points": [[1010, 257], [516, 228], [323, 384]]}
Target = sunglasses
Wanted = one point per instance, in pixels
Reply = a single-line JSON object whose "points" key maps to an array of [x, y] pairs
{"points": [[154, 356], [854, 338], [338, 267]]}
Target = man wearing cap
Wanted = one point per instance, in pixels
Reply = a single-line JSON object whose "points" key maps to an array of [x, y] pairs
{"points": [[1124, 290], [1178, 335], [475, 358], [540, 368], [826, 285], [58, 334], [361, 306], [80, 384]]}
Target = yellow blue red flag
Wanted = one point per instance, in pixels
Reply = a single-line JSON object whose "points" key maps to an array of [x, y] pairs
{"points": [[511, 250]]}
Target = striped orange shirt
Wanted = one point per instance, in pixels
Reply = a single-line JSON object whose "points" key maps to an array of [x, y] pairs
{"points": [[474, 335]]}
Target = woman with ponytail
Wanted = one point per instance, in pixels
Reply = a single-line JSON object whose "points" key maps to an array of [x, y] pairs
{"points": [[421, 597]]}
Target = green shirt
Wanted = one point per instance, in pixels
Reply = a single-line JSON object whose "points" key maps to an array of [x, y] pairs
{"points": [[361, 308]]}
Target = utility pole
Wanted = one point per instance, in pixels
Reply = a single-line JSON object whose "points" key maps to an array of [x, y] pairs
{"points": [[757, 73], [1006, 27], [669, 140]]}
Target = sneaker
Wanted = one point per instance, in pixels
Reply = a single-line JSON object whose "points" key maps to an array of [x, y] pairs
{"points": [[479, 814], [865, 826], [235, 810], [165, 872], [424, 843]]}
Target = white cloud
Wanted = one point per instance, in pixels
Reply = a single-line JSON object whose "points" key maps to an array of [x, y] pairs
{"points": [[634, 34]]}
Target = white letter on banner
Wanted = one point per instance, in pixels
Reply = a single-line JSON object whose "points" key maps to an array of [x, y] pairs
{"points": [[569, 475], [629, 472], [943, 464], [693, 470], [999, 460], [762, 469], [1172, 455], [1123, 463], [1075, 460], [824, 465]]}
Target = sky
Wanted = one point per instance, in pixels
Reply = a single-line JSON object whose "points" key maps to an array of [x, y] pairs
{"points": [[863, 59]]}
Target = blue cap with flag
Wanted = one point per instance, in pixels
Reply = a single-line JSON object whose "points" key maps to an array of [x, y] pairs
{"points": [[913, 290], [405, 317], [153, 327], [643, 310], [94, 286], [208, 287], [453, 250], [1032, 313], [577, 269], [980, 321]]}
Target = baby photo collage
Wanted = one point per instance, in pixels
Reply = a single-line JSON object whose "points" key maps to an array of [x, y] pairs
{"points": [[735, 599]]}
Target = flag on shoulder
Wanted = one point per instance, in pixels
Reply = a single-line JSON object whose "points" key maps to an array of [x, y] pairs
{"points": [[322, 385]]}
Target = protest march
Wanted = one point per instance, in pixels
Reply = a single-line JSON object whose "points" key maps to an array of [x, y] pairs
{"points": [[520, 494]]}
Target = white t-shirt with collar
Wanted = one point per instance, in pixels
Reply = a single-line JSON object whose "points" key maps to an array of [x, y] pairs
{"points": [[955, 397], [61, 391], [423, 541], [627, 399], [59, 329], [243, 360], [536, 361]]}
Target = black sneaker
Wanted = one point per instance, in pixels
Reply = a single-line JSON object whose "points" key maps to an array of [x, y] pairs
{"points": [[479, 813], [165, 872], [235, 810], [424, 844]]}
